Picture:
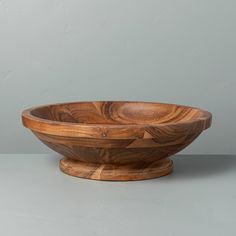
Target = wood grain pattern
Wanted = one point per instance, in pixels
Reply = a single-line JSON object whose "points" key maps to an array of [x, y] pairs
{"points": [[116, 140]]}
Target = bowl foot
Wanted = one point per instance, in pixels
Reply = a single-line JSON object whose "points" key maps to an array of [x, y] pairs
{"points": [[115, 172]]}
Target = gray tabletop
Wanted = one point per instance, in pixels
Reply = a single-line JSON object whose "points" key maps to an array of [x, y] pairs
{"points": [[199, 198]]}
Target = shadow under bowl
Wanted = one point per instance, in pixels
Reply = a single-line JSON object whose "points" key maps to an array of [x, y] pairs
{"points": [[106, 140]]}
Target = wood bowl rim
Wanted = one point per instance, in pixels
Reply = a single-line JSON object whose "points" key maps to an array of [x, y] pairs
{"points": [[105, 131]]}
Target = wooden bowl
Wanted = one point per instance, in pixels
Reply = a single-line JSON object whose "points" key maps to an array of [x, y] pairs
{"points": [[116, 140]]}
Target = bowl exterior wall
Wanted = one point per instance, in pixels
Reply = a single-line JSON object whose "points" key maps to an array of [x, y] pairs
{"points": [[115, 151]]}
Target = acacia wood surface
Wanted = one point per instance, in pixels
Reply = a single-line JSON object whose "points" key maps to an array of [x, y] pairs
{"points": [[116, 140]]}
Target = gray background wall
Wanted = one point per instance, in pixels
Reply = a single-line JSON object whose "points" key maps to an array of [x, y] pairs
{"points": [[170, 51]]}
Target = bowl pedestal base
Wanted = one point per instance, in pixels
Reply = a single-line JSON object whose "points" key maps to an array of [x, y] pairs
{"points": [[116, 172]]}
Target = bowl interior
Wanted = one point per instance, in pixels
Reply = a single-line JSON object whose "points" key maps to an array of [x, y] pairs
{"points": [[117, 113]]}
